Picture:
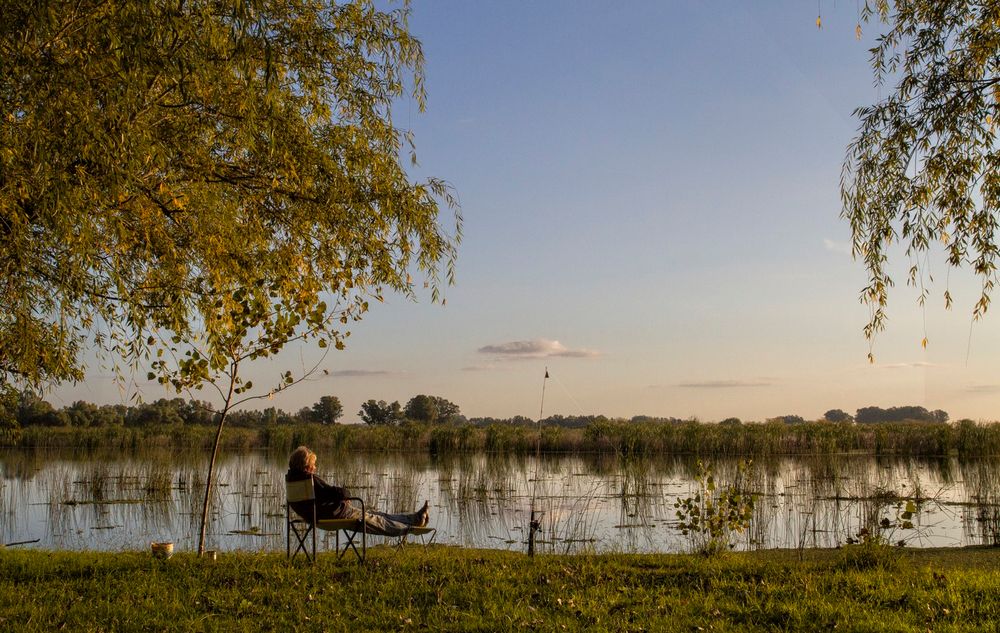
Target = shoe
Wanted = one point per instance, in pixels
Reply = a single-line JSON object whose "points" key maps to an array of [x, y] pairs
{"points": [[424, 514]]}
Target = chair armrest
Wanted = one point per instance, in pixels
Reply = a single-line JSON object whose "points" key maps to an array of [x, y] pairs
{"points": [[361, 502]]}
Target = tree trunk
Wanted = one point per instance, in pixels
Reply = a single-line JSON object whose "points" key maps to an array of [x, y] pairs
{"points": [[208, 483]]}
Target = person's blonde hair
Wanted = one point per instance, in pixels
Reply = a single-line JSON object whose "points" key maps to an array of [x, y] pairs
{"points": [[301, 459]]}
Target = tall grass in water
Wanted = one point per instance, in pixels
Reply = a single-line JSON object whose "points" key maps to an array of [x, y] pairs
{"points": [[981, 513], [618, 437]]}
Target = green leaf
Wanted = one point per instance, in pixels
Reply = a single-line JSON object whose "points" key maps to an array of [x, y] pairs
{"points": [[160, 228]]}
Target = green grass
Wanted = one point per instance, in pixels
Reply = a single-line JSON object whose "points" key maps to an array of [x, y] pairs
{"points": [[449, 589]]}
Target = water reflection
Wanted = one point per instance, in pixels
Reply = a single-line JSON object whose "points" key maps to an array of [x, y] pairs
{"points": [[70, 500]]}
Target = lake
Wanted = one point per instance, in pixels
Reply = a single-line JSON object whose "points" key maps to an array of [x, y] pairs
{"points": [[112, 502]]}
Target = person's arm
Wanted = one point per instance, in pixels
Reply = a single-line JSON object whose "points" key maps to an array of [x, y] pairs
{"points": [[327, 493]]}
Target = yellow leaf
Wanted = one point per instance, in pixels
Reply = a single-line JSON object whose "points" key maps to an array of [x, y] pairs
{"points": [[819, 22], [857, 32], [923, 343]]}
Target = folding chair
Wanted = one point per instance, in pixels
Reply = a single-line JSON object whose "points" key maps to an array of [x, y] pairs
{"points": [[305, 527]]}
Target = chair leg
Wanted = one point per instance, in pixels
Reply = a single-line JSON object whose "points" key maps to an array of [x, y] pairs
{"points": [[300, 538], [350, 544]]}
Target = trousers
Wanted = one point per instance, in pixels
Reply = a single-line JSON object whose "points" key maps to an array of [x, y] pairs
{"points": [[382, 523]]}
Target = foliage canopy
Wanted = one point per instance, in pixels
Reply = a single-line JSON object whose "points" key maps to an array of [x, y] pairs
{"points": [[180, 178], [379, 412], [424, 408], [328, 410], [924, 168]]}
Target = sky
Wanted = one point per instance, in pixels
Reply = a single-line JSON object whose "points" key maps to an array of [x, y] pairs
{"points": [[651, 202]]}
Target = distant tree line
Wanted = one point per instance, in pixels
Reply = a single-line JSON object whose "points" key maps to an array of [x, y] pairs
{"points": [[870, 415], [25, 409], [570, 421], [899, 414], [421, 408]]}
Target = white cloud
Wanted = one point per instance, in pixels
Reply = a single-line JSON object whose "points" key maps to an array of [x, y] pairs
{"points": [[536, 348], [987, 389], [841, 248], [916, 365], [724, 384], [489, 367], [359, 373]]}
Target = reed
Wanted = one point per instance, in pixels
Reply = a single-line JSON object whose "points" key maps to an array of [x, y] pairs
{"points": [[618, 437]]}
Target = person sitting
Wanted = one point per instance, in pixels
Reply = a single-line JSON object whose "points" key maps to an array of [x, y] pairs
{"points": [[332, 503]]}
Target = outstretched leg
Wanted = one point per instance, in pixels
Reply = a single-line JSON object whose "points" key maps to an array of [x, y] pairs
{"points": [[385, 524]]}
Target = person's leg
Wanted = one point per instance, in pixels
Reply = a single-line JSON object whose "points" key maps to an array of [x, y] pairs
{"points": [[383, 523], [414, 519], [388, 524]]}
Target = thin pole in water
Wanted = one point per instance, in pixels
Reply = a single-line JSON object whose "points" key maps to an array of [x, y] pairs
{"points": [[536, 519], [542, 407]]}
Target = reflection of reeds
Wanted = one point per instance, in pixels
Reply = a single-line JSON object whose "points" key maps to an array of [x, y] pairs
{"points": [[159, 482], [982, 508], [599, 501]]}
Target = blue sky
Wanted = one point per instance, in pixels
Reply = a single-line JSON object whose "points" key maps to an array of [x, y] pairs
{"points": [[651, 202]]}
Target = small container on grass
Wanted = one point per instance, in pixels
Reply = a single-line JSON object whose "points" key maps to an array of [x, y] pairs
{"points": [[162, 550]]}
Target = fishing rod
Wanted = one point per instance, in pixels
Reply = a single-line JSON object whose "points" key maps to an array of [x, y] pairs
{"points": [[536, 517]]}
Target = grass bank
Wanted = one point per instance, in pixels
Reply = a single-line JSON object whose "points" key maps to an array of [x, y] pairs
{"points": [[924, 439], [448, 589]]}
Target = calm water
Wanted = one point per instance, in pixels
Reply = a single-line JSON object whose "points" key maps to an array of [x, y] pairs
{"points": [[115, 502]]}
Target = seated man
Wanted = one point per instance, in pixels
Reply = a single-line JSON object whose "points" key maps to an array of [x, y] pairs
{"points": [[331, 502]]}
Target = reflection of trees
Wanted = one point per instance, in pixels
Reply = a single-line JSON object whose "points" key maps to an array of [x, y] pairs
{"points": [[21, 464]]}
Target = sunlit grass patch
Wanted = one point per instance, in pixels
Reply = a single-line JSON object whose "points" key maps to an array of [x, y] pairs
{"points": [[451, 589]]}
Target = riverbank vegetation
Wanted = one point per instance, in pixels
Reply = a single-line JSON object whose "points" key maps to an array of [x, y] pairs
{"points": [[450, 589], [622, 437], [435, 425]]}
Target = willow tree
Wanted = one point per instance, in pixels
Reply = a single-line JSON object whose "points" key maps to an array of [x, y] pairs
{"points": [[924, 169], [190, 185]]}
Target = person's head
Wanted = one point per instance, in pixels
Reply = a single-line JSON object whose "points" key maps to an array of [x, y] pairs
{"points": [[302, 459]]}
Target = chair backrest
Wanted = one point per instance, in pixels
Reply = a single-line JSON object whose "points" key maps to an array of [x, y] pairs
{"points": [[300, 490]]}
